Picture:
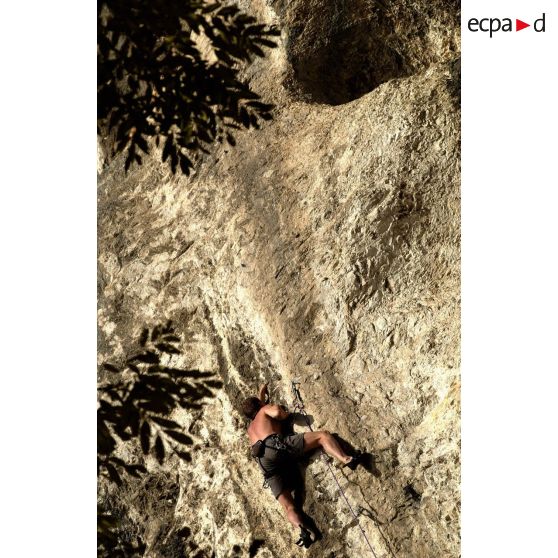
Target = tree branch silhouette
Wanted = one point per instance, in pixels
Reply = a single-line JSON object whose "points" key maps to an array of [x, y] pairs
{"points": [[134, 407], [155, 80]]}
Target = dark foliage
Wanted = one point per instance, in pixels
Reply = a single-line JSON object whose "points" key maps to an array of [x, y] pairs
{"points": [[134, 407], [153, 81], [113, 539]]}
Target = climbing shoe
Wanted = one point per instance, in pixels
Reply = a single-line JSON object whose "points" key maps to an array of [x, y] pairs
{"points": [[355, 460], [306, 537]]}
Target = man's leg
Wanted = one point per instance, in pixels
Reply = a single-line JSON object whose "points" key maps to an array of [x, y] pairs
{"points": [[286, 500], [324, 440]]}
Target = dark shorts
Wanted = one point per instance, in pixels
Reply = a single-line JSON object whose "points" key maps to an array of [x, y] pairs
{"points": [[295, 443], [285, 473]]}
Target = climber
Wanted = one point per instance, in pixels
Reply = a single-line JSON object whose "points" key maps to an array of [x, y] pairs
{"points": [[277, 453]]}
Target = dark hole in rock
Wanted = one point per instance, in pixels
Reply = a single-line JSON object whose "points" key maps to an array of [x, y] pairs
{"points": [[184, 532], [340, 50], [255, 546], [349, 64], [412, 494]]}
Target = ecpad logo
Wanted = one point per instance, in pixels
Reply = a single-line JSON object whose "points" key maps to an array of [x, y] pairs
{"points": [[493, 25]]}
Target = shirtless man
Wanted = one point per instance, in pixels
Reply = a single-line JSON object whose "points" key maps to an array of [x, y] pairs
{"points": [[279, 451]]}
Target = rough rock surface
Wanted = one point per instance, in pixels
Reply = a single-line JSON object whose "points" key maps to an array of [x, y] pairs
{"points": [[324, 247]]}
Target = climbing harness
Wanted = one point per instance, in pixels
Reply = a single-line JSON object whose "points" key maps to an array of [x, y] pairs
{"points": [[298, 406]]}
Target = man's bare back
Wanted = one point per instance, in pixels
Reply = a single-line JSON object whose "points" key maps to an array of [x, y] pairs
{"points": [[266, 422]]}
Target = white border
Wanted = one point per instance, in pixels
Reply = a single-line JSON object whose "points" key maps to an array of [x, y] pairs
{"points": [[48, 280], [48, 232], [509, 284]]}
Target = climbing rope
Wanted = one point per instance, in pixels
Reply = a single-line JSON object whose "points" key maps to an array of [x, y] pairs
{"points": [[298, 405]]}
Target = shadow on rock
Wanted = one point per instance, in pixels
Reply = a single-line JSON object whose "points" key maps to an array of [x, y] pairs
{"points": [[367, 461], [302, 420]]}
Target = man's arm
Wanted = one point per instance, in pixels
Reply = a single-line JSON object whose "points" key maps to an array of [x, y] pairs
{"points": [[264, 394], [276, 412]]}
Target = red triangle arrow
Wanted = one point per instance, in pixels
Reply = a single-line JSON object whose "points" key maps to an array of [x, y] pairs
{"points": [[519, 25]]}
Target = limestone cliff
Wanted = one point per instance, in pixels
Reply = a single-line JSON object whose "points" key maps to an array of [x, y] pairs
{"points": [[324, 247]]}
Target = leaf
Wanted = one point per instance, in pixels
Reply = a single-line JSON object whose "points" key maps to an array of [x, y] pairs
{"points": [[167, 148], [184, 455], [165, 422], [190, 405], [214, 383], [227, 10], [105, 442], [180, 437], [166, 348], [267, 43], [244, 117], [145, 434], [136, 470], [149, 357], [176, 372], [129, 160], [155, 406], [258, 51], [159, 450], [141, 143], [263, 107], [143, 336], [155, 369], [113, 473], [155, 333], [185, 165], [134, 473], [170, 337]]}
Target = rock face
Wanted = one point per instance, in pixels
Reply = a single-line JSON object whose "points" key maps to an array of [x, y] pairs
{"points": [[324, 247]]}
